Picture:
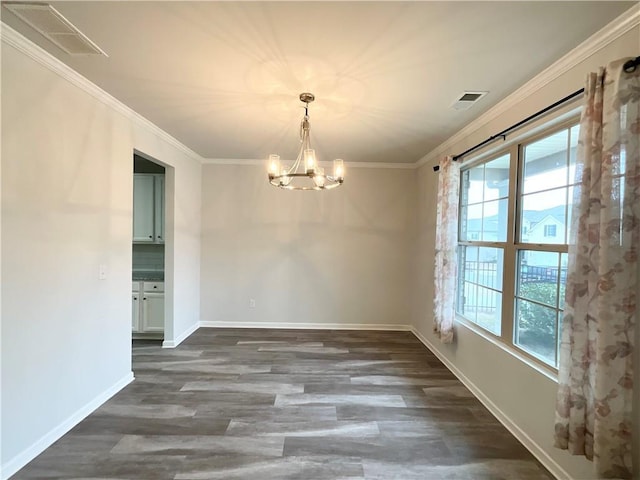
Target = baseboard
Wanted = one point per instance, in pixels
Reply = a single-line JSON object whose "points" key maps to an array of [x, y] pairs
{"points": [[181, 338], [309, 326], [24, 457], [535, 449]]}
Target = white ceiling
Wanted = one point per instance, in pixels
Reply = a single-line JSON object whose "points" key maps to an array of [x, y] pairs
{"points": [[224, 77]]}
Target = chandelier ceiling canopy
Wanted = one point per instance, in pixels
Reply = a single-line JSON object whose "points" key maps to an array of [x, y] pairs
{"points": [[304, 173]]}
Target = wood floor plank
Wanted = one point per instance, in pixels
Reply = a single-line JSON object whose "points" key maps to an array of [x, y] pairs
{"points": [[289, 404]]}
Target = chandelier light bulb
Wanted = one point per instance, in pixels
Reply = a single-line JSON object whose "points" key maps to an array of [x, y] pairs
{"points": [[338, 169], [274, 165], [310, 160]]}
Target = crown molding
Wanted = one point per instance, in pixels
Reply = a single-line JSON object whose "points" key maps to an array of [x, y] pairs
{"points": [[261, 163], [610, 32], [246, 162], [390, 165], [11, 37]]}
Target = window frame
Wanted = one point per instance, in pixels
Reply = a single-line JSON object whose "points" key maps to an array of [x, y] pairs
{"points": [[512, 246]]}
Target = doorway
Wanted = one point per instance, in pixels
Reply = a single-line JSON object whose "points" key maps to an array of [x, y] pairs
{"points": [[150, 322]]}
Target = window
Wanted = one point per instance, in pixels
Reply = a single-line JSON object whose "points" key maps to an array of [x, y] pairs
{"points": [[483, 232], [514, 227]]}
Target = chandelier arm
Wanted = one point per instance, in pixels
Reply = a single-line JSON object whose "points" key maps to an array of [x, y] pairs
{"points": [[294, 169]]}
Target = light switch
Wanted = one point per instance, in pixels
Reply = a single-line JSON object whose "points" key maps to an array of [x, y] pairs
{"points": [[102, 271]]}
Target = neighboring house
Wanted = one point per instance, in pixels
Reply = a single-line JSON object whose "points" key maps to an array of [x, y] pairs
{"points": [[538, 227], [544, 226]]}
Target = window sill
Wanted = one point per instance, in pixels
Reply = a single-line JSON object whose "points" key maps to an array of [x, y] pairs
{"points": [[548, 372]]}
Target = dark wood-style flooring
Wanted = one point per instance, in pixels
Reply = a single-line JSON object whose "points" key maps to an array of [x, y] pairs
{"points": [[289, 404]]}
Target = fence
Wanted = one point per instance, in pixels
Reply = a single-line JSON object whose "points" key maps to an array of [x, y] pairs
{"points": [[479, 275], [536, 274]]}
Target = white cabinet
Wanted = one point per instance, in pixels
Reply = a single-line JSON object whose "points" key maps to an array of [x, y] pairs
{"points": [[153, 312], [148, 208], [148, 307], [135, 311]]}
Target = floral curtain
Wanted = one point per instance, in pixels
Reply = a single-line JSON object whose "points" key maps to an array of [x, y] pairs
{"points": [[594, 402], [446, 244]]}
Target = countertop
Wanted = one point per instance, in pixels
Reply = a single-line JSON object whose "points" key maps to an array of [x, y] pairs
{"points": [[148, 276]]}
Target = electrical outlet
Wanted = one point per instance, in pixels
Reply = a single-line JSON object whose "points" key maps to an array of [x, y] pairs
{"points": [[252, 303]]}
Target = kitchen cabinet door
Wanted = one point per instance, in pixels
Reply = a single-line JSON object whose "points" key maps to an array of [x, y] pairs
{"points": [[153, 312], [135, 312], [159, 208], [143, 208]]}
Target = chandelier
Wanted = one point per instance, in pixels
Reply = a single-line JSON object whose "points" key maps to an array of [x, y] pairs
{"points": [[305, 173]]}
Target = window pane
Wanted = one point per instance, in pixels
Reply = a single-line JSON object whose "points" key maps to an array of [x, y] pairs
{"points": [[471, 222], [543, 217], [489, 267], [485, 188], [536, 330], [538, 276], [470, 272], [545, 163], [496, 178], [480, 276], [564, 260], [467, 306], [472, 185], [494, 225], [488, 305]]}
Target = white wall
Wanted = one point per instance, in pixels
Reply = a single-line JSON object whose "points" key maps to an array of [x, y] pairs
{"points": [[67, 179], [524, 397], [333, 257]]}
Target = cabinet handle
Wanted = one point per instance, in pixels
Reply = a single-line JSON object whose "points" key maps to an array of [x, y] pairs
{"points": [[160, 237], [144, 298], [151, 237], [135, 298]]}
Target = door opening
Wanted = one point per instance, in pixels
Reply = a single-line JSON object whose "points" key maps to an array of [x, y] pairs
{"points": [[148, 251]]}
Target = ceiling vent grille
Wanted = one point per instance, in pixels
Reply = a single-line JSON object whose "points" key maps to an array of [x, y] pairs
{"points": [[53, 25], [467, 99]]}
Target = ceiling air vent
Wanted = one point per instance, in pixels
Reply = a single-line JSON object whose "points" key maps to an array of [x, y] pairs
{"points": [[467, 99], [50, 23]]}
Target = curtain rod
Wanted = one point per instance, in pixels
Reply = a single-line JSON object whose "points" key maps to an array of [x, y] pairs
{"points": [[628, 67], [503, 133]]}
